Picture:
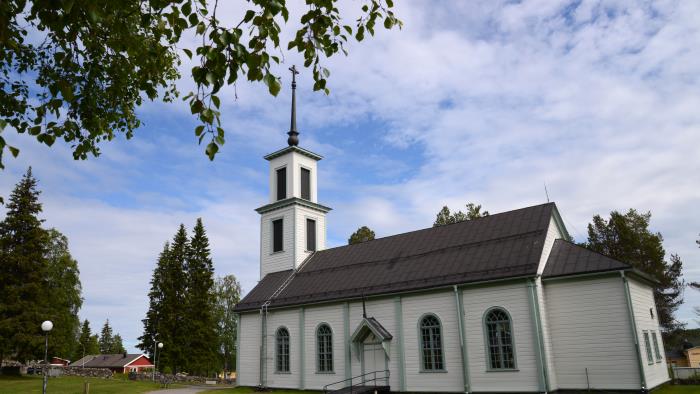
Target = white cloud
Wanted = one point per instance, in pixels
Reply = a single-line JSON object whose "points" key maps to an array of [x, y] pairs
{"points": [[480, 101]]}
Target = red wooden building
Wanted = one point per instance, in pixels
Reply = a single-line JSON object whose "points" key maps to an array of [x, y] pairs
{"points": [[118, 363]]}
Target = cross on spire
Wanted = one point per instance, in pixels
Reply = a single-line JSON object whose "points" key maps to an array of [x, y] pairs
{"points": [[293, 139]]}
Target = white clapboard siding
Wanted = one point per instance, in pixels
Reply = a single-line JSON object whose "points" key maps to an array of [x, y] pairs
{"points": [[288, 318], [590, 328], [249, 352], [279, 261], [553, 234], [301, 215], [642, 297], [549, 352], [332, 314], [384, 311], [514, 298], [442, 304]]}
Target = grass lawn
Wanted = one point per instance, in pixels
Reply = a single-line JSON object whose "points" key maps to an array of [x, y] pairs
{"points": [[73, 385], [678, 389]]}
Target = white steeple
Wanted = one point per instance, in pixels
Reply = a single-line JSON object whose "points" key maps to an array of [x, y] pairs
{"points": [[293, 223]]}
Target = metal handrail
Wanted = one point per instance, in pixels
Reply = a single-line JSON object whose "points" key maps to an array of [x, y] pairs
{"points": [[363, 382]]}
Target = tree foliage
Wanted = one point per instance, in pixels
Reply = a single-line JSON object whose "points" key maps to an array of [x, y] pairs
{"points": [[182, 311], [105, 340], [39, 280], [23, 250], [200, 316], [87, 343], [227, 292], [363, 234], [65, 289], [626, 237], [77, 69], [446, 217]]}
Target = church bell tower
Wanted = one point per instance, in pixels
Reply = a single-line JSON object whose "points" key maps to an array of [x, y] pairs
{"points": [[293, 223]]}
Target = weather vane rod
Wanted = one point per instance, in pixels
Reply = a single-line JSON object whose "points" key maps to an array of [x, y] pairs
{"points": [[293, 139]]}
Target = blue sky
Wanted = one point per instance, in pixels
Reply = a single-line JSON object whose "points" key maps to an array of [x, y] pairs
{"points": [[480, 101]]}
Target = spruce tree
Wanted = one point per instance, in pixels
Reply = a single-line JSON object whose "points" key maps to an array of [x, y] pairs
{"points": [[151, 323], [117, 345], [199, 316], [24, 295], [106, 339], [87, 345], [171, 329]]}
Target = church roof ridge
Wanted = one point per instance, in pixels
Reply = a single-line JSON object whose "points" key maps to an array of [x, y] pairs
{"points": [[441, 226]]}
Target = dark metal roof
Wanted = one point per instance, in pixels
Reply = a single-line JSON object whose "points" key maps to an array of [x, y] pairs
{"points": [[499, 246], [107, 360], [568, 258]]}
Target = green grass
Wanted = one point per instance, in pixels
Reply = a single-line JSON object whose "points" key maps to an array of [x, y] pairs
{"points": [[678, 389], [247, 390], [73, 385]]}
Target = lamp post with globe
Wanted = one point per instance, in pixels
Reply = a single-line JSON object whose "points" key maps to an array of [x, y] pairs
{"points": [[155, 359], [46, 327]]}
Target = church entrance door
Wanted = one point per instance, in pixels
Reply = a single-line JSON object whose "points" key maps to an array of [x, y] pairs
{"points": [[373, 359]]}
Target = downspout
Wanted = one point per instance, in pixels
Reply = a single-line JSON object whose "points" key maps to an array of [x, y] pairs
{"points": [[238, 345], [537, 327], [302, 366], [402, 357], [633, 327], [346, 337], [263, 340], [462, 340]]}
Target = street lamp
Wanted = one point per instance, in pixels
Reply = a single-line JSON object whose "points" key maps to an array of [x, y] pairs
{"points": [[155, 359], [46, 327]]}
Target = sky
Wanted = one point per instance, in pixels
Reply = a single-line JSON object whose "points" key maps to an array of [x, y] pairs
{"points": [[480, 101]]}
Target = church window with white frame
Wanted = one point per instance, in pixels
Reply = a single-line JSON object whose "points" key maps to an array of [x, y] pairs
{"points": [[282, 345], [324, 348], [499, 339], [431, 344]]}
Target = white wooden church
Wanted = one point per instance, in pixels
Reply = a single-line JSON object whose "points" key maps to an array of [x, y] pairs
{"points": [[503, 303]]}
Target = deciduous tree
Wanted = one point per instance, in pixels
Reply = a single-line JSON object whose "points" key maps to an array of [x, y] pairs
{"points": [[363, 234], [228, 294], [77, 70], [66, 299]]}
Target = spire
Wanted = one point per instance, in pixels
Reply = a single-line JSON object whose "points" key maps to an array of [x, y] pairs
{"points": [[293, 139]]}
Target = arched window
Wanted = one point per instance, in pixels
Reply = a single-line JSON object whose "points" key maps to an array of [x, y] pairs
{"points": [[324, 348], [499, 339], [282, 345], [431, 343]]}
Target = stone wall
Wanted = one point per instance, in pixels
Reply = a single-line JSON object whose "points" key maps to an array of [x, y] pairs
{"points": [[177, 378]]}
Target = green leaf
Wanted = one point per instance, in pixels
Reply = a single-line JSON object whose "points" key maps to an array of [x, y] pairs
{"points": [[248, 16], [199, 130], [275, 87], [13, 150], [187, 52], [211, 150], [196, 107], [216, 101], [388, 23]]}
